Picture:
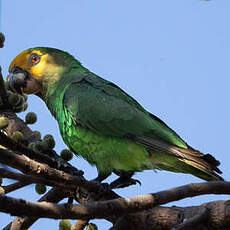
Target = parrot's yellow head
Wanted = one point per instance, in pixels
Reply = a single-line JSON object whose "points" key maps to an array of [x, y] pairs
{"points": [[34, 68]]}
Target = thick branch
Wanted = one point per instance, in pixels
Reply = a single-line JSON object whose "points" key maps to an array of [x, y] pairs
{"points": [[119, 207], [196, 220], [158, 218], [165, 218]]}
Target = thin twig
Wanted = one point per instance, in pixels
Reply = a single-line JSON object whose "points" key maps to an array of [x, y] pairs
{"points": [[15, 186]]}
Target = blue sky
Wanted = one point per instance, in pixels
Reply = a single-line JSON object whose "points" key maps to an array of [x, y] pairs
{"points": [[172, 56]]}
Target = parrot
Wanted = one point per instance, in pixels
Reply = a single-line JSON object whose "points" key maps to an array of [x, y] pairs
{"points": [[102, 123]]}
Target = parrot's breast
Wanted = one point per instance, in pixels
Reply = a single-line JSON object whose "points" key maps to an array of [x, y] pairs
{"points": [[106, 152]]}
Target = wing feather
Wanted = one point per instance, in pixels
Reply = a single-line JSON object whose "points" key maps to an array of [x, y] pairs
{"points": [[104, 108]]}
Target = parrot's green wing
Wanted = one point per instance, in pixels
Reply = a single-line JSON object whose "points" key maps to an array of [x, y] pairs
{"points": [[105, 109]]}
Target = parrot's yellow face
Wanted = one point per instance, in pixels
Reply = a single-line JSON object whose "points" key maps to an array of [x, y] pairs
{"points": [[29, 69], [34, 62]]}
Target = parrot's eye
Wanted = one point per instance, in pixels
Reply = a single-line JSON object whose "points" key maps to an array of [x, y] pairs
{"points": [[34, 59]]}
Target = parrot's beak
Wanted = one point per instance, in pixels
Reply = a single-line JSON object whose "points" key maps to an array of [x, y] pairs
{"points": [[22, 82], [17, 79]]}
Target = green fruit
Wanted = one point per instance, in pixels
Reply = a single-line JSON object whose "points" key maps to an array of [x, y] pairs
{"points": [[48, 141], [65, 225], [31, 118], [37, 133], [17, 136], [66, 154], [40, 188], [4, 121], [14, 99], [38, 146], [2, 191], [20, 106], [91, 226]]}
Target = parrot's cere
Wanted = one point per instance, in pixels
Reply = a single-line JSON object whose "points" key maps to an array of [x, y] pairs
{"points": [[102, 123]]}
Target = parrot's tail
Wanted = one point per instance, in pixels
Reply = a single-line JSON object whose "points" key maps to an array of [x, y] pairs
{"points": [[204, 166], [172, 158]]}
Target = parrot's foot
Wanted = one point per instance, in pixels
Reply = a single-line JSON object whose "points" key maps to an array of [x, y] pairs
{"points": [[103, 188], [84, 196], [123, 182]]}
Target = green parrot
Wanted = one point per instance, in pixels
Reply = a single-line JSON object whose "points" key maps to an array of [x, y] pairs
{"points": [[101, 122]]}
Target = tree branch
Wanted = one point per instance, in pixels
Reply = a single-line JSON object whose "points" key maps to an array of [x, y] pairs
{"points": [[158, 218], [15, 186], [41, 157], [28, 166], [30, 179], [54, 195], [197, 219], [119, 207]]}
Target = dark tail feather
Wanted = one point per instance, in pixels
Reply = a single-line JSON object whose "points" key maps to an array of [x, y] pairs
{"points": [[201, 165], [209, 158], [205, 163]]}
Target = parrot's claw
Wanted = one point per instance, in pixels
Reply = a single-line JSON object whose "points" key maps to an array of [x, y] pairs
{"points": [[103, 188], [83, 195], [123, 182]]}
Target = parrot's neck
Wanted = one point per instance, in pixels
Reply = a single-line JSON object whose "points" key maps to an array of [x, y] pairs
{"points": [[51, 82], [53, 91], [55, 86]]}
